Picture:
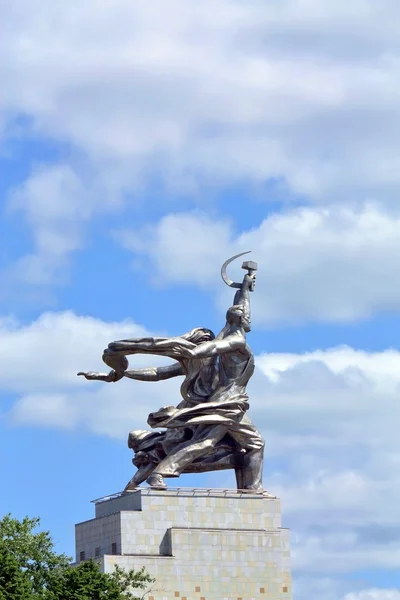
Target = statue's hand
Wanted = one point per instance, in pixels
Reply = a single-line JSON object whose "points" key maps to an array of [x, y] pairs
{"points": [[92, 376], [114, 376], [249, 281]]}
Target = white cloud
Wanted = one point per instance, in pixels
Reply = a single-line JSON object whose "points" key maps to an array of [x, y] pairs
{"points": [[182, 247], [374, 594], [40, 362], [323, 588], [315, 264], [52, 349], [215, 93], [56, 202], [330, 420], [328, 588], [54, 205], [53, 410]]}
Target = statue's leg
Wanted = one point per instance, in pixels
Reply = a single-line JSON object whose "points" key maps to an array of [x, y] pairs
{"points": [[141, 475], [253, 470], [249, 438], [239, 478], [204, 441]]}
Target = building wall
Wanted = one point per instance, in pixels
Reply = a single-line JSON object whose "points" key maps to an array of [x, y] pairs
{"points": [[198, 544]]}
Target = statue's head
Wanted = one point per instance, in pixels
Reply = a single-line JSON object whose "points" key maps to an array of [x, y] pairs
{"points": [[136, 437], [235, 315], [199, 335], [140, 439]]}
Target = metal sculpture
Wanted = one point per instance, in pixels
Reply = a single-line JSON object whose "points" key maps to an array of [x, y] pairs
{"points": [[209, 429]]}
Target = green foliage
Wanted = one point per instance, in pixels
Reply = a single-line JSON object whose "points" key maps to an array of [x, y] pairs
{"points": [[128, 580], [87, 582], [13, 583], [31, 553], [30, 569]]}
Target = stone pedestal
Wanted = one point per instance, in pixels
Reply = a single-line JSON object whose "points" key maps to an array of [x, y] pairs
{"points": [[198, 544]]}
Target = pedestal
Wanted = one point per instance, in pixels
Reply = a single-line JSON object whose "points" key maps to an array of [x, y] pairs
{"points": [[197, 544]]}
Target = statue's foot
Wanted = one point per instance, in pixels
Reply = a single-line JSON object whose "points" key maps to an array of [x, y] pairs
{"points": [[267, 494], [156, 482], [132, 485], [255, 490]]}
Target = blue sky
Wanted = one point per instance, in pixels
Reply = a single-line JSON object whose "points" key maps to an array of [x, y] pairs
{"points": [[138, 153]]}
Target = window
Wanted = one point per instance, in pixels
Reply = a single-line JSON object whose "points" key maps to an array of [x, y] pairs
{"points": [[82, 556], [114, 548], [97, 551]]}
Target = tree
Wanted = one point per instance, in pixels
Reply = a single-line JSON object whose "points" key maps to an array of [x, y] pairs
{"points": [[13, 583], [87, 582], [32, 553], [30, 569]]}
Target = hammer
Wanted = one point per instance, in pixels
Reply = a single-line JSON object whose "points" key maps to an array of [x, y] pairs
{"points": [[250, 265]]}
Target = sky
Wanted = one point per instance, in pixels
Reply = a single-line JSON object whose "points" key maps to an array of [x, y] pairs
{"points": [[142, 144]]}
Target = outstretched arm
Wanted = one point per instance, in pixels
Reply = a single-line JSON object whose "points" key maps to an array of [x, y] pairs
{"points": [[148, 374], [93, 376], [155, 373]]}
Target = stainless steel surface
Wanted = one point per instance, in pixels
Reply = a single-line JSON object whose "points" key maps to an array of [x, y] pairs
{"points": [[209, 429]]}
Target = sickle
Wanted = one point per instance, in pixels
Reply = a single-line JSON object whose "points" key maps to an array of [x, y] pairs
{"points": [[223, 270]]}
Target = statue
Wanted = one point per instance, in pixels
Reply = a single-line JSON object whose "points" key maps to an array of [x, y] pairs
{"points": [[209, 429]]}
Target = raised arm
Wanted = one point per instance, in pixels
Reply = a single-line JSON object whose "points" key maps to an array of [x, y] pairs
{"points": [[242, 297]]}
